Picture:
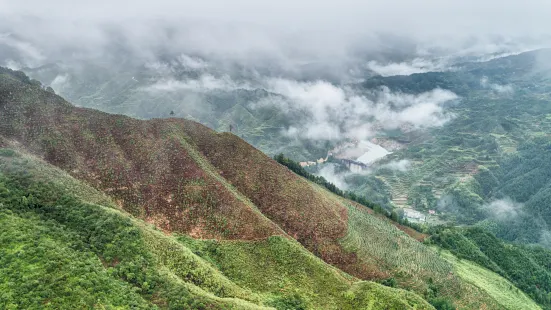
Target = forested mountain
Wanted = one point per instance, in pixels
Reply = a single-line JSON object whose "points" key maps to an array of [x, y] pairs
{"points": [[489, 163], [103, 210]]}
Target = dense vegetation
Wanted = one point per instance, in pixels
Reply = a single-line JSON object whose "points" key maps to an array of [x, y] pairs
{"points": [[524, 178], [489, 164], [527, 267], [74, 254]]}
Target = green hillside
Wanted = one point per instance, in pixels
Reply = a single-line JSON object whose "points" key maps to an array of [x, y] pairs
{"points": [[499, 288], [494, 147], [61, 249], [527, 267], [114, 212]]}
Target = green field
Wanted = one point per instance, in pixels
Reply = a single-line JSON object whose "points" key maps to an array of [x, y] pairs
{"points": [[503, 291]]}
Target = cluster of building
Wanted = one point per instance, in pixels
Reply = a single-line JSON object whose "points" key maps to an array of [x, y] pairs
{"points": [[416, 216]]}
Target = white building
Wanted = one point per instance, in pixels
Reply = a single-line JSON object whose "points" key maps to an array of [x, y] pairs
{"points": [[414, 215]]}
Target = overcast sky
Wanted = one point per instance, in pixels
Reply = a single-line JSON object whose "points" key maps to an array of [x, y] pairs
{"points": [[327, 31], [402, 16]]}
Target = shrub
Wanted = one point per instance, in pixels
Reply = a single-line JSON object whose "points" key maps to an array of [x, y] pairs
{"points": [[288, 302], [442, 304]]}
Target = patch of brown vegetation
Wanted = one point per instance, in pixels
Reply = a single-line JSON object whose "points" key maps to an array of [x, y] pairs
{"points": [[147, 168], [139, 163], [314, 219], [471, 168], [411, 232]]}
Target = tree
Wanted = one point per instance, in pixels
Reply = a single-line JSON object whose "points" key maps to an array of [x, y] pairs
{"points": [[394, 216]]}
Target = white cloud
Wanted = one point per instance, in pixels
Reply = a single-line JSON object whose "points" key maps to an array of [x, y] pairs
{"points": [[503, 89], [204, 83], [12, 64], [316, 131], [339, 112], [26, 51], [159, 67], [504, 209], [329, 173], [193, 63], [334, 33], [498, 88], [402, 165], [59, 83], [409, 17], [417, 65]]}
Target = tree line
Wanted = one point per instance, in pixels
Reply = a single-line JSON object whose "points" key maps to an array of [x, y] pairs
{"points": [[362, 200]]}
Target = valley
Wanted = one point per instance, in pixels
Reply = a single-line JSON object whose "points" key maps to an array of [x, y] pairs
{"points": [[250, 155], [190, 242]]}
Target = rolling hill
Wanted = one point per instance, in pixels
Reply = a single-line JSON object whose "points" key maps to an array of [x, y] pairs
{"points": [[106, 211]]}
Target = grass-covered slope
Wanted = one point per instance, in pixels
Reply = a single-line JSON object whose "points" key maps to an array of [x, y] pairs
{"points": [[60, 249], [287, 199], [63, 251], [527, 267], [337, 230], [503, 291]]}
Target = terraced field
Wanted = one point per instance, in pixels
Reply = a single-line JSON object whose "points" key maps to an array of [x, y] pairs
{"points": [[377, 240]]}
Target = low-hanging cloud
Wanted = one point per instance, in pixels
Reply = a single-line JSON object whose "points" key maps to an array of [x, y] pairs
{"points": [[60, 82], [401, 165], [513, 215], [28, 53], [329, 172], [338, 112], [330, 37], [204, 83], [193, 63], [504, 209], [498, 88], [417, 65]]}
